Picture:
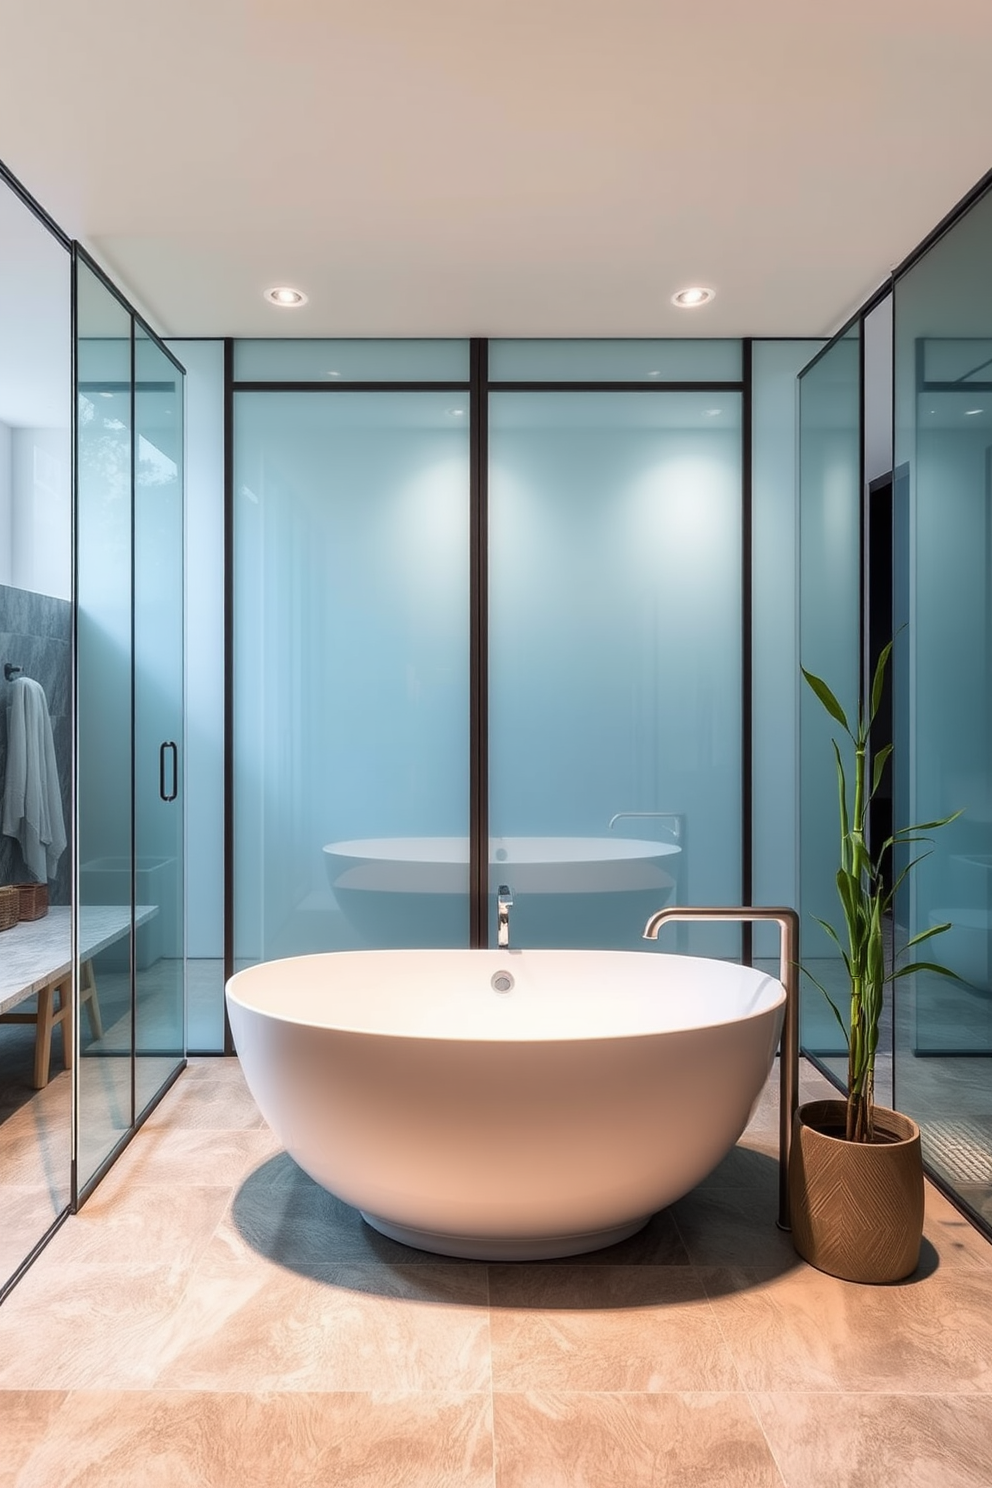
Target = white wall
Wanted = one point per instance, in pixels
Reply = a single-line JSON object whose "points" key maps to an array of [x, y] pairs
{"points": [[41, 511], [6, 509]]}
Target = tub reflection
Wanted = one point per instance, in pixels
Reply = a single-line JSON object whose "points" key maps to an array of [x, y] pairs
{"points": [[568, 891]]}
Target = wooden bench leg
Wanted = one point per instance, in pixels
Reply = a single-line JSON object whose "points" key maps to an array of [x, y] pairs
{"points": [[87, 995], [64, 1016], [43, 1037]]}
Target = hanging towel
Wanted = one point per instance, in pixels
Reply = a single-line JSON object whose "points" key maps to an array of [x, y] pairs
{"points": [[32, 800]]}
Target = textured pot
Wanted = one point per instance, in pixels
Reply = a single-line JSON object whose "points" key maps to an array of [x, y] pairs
{"points": [[856, 1207]]}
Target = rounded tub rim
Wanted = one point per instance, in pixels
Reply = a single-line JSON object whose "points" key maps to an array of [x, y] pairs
{"points": [[456, 850], [762, 983]]}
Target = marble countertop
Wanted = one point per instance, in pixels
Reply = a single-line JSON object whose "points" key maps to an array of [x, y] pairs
{"points": [[35, 953]]}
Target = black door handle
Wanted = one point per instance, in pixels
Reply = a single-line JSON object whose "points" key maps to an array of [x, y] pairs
{"points": [[163, 750]]}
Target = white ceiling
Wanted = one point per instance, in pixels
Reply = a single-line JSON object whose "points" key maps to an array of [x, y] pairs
{"points": [[497, 167]]}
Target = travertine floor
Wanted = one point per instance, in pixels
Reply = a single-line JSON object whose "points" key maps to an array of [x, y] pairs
{"points": [[213, 1318]]}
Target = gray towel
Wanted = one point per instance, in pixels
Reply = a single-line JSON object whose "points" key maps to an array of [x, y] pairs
{"points": [[32, 800]]}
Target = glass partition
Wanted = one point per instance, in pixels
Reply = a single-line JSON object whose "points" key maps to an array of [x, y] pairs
{"points": [[943, 339], [104, 661], [605, 360], [35, 700], [129, 548], [158, 717], [614, 662], [830, 647], [350, 360], [351, 671]]}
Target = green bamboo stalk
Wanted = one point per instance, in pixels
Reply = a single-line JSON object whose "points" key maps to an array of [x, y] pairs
{"points": [[861, 890]]}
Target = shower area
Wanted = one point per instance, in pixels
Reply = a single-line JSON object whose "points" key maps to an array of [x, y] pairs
{"points": [[488, 605], [896, 506], [92, 962]]}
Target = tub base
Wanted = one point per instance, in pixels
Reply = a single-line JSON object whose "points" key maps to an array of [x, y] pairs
{"points": [[478, 1248]]}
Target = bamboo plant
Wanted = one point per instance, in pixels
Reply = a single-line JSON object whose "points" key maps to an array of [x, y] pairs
{"points": [[866, 901]]}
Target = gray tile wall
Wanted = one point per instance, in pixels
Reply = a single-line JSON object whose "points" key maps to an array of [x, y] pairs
{"points": [[36, 635]]}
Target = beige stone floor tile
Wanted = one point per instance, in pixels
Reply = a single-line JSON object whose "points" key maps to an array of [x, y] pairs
{"points": [[146, 1225], [86, 1327], [248, 1324], [546, 1440], [25, 1216], [167, 1439], [278, 1212], [879, 1441], [617, 1328], [751, 1165], [183, 1157], [734, 1226], [803, 1330], [206, 1104], [955, 1240], [26, 1419]]}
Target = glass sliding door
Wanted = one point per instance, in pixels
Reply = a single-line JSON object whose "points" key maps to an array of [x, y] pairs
{"points": [[943, 468], [129, 558], [35, 678], [615, 662], [351, 671], [158, 718], [104, 692]]}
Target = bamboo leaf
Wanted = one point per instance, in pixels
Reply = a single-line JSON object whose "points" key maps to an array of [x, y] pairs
{"points": [[825, 925], [833, 1005], [926, 966], [926, 934], [841, 790], [879, 679], [879, 766], [827, 698]]}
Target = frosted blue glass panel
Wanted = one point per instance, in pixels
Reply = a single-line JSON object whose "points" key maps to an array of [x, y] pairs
{"points": [[829, 646], [614, 662], [351, 671], [351, 361], [159, 752], [204, 774], [615, 361], [774, 618]]}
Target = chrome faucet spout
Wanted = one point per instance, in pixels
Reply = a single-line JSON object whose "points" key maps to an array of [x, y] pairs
{"points": [[504, 903], [788, 926]]}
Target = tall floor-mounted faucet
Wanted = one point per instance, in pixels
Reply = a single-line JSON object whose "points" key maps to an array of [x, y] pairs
{"points": [[788, 925], [504, 903]]}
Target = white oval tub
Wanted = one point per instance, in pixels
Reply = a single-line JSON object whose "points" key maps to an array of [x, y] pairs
{"points": [[547, 1120], [572, 891]]}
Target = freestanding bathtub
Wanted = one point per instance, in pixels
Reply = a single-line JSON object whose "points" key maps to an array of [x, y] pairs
{"points": [[572, 891], [506, 1105]]}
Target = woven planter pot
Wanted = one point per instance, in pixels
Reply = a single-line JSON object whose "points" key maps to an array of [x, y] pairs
{"points": [[856, 1207]]}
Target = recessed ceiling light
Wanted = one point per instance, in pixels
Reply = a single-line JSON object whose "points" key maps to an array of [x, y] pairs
{"points": [[969, 412], [688, 299], [285, 297], [332, 373], [456, 412], [713, 412], [654, 374]]}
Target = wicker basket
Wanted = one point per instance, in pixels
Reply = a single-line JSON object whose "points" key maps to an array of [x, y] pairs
{"points": [[34, 900], [10, 902]]}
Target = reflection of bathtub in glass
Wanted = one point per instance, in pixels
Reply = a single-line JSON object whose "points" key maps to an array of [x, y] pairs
{"points": [[567, 891]]}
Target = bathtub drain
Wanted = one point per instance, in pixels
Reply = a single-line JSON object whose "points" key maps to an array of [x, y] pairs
{"points": [[501, 981]]}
